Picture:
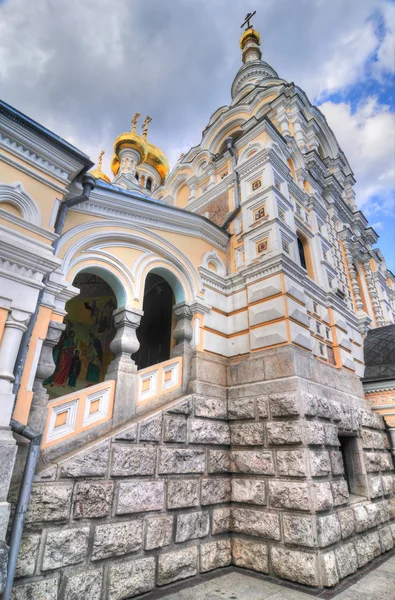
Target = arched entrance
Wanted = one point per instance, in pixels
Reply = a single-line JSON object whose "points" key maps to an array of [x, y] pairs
{"points": [[154, 332], [83, 353]]}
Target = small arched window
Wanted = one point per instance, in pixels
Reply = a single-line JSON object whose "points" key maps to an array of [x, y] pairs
{"points": [[148, 184], [137, 176]]}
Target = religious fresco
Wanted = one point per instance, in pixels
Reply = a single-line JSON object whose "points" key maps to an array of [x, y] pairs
{"points": [[83, 352]]}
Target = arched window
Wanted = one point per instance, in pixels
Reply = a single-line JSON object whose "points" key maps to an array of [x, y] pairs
{"points": [[137, 176], [154, 332], [148, 184], [304, 255], [83, 353]]}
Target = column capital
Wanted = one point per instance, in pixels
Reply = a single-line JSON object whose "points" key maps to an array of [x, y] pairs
{"points": [[199, 306], [126, 321], [183, 315], [127, 315], [17, 319]]}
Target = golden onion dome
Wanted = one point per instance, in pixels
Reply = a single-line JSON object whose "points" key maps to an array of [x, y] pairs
{"points": [[98, 173], [149, 154], [130, 139], [249, 34], [157, 160]]}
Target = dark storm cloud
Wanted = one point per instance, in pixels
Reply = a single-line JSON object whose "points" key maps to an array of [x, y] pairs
{"points": [[84, 67]]}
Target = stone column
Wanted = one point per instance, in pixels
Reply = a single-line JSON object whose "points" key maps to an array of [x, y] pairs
{"points": [[45, 368], [211, 174], [282, 118], [123, 368], [183, 334], [14, 328], [378, 313], [192, 187], [353, 276]]}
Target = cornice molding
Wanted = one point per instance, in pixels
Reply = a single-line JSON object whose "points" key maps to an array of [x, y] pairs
{"points": [[153, 215], [24, 259], [4, 214], [20, 167]]}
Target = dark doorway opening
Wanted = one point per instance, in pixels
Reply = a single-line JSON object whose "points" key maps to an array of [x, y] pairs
{"points": [[353, 462], [154, 332]]}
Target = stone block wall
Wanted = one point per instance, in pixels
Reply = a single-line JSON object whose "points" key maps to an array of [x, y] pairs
{"points": [[250, 475], [148, 506], [291, 513]]}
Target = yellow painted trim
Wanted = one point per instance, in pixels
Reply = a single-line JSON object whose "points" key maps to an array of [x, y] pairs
{"points": [[3, 318], [24, 399]]}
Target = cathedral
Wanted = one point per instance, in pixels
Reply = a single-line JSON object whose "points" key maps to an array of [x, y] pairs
{"points": [[182, 355]]}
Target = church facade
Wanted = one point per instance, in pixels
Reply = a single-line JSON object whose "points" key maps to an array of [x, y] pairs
{"points": [[190, 347]]}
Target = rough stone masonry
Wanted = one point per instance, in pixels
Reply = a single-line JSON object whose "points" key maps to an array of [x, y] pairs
{"points": [[245, 470]]}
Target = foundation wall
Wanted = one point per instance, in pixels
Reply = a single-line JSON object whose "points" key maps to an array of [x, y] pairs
{"points": [[246, 470]]}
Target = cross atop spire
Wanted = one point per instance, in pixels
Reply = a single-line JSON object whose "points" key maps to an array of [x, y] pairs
{"points": [[247, 20], [145, 127], [100, 161], [134, 122]]}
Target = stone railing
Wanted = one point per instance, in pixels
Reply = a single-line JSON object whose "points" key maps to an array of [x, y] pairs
{"points": [[72, 414], [159, 379]]}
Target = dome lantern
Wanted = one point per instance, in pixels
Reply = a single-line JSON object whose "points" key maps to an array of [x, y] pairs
{"points": [[132, 150]]}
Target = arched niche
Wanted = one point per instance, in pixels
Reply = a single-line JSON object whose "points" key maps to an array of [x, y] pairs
{"points": [[213, 262], [14, 194], [83, 353]]}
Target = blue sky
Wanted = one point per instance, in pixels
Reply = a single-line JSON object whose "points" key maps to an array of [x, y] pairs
{"points": [[84, 68]]}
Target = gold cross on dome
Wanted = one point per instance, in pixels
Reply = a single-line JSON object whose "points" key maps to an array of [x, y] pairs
{"points": [[145, 126], [248, 19], [134, 122], [100, 161]]}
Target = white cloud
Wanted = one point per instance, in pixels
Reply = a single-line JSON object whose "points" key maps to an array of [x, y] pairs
{"points": [[84, 68], [347, 63], [367, 137], [386, 51]]}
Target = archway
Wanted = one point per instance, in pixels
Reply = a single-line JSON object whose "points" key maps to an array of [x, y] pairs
{"points": [[154, 332], [83, 353]]}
